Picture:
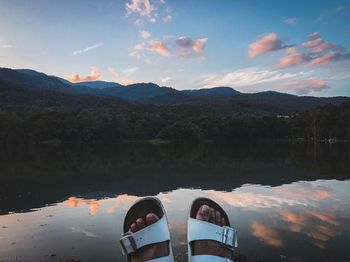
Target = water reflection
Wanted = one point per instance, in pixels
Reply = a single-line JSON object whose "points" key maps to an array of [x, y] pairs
{"points": [[308, 216]]}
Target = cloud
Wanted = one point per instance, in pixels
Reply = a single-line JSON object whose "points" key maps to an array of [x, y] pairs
{"points": [[268, 43], [329, 57], [316, 51], [266, 234], [6, 46], [87, 49], [143, 8], [188, 47], [181, 46], [147, 10], [95, 74], [312, 43], [291, 21], [314, 35], [123, 77], [156, 46], [321, 48], [129, 71], [159, 47], [167, 18], [304, 87], [145, 34], [164, 80], [248, 77], [293, 60]]}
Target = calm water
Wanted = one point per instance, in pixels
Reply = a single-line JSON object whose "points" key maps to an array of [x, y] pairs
{"points": [[289, 202]]}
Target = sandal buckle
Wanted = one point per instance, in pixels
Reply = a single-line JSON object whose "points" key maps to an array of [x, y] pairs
{"points": [[129, 247], [229, 237]]}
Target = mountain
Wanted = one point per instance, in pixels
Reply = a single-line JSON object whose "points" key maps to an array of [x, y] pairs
{"points": [[97, 84], [215, 91], [139, 91], [32, 79], [214, 101]]}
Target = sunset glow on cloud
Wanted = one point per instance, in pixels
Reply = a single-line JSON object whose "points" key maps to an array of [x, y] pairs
{"points": [[95, 74]]}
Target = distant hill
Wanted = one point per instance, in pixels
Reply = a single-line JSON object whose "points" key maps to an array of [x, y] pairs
{"points": [[215, 91], [24, 85]]}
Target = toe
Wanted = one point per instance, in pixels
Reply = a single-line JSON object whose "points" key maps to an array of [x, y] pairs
{"points": [[203, 213], [140, 223], [218, 218], [133, 227], [212, 215], [223, 222], [151, 218]]}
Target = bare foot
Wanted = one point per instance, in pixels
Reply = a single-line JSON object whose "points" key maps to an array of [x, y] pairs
{"points": [[209, 247], [150, 251]]}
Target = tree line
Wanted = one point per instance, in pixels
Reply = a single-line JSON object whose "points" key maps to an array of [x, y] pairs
{"points": [[79, 127]]}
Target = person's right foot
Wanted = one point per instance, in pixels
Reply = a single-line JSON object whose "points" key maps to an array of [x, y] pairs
{"points": [[151, 251], [210, 247]]}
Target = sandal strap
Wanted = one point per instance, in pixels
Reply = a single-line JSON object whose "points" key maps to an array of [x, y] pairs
{"points": [[163, 259], [152, 234], [209, 258], [202, 230]]}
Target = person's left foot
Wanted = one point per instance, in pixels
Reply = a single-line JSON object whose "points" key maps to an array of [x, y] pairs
{"points": [[152, 251]]}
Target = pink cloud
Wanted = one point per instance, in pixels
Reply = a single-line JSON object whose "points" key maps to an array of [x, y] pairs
{"points": [[95, 74], [156, 46], [187, 46], [199, 44], [326, 58], [317, 52], [314, 35], [304, 87], [159, 47], [321, 48], [313, 43], [293, 60], [267, 43]]}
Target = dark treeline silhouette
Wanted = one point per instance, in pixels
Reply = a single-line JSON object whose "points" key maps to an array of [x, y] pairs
{"points": [[328, 122]]}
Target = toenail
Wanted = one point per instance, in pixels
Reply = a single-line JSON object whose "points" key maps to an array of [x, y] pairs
{"points": [[205, 210]]}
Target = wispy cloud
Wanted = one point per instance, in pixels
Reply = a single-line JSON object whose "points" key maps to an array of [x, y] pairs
{"points": [[291, 21], [165, 80], [304, 87], [95, 74], [167, 18], [87, 49], [248, 77], [6, 46], [129, 71], [145, 34], [267, 43], [122, 78]]}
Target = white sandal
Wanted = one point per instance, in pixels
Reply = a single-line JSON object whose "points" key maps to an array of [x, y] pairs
{"points": [[152, 234], [202, 230]]}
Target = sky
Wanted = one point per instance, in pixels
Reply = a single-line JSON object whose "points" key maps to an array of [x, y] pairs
{"points": [[291, 46]]}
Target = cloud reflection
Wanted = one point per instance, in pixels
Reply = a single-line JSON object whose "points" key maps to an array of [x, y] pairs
{"points": [[266, 234], [310, 211]]}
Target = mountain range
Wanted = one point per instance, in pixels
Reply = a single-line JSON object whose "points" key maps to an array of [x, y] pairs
{"points": [[19, 86]]}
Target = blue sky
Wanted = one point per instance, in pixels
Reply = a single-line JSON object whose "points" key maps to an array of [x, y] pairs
{"points": [[299, 47]]}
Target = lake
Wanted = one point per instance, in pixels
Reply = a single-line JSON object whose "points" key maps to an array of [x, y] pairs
{"points": [[288, 201]]}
